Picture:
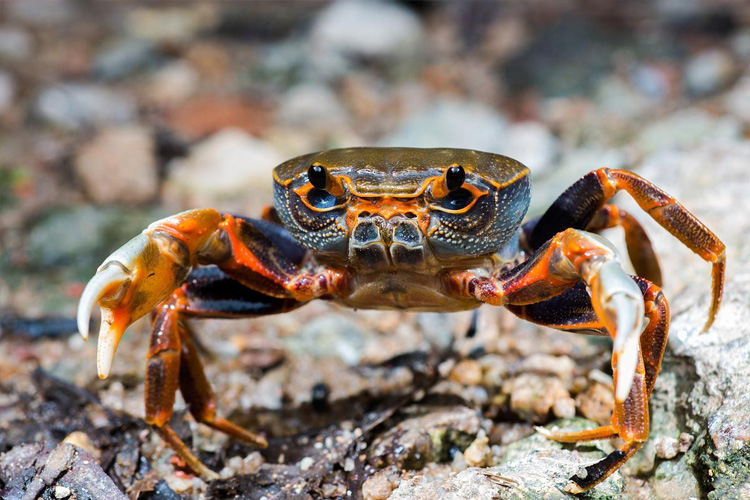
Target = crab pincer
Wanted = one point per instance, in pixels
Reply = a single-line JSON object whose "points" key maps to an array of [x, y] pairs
{"points": [[139, 275]]}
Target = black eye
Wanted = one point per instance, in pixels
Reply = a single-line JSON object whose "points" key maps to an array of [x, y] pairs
{"points": [[320, 198], [457, 199], [317, 176], [455, 177]]}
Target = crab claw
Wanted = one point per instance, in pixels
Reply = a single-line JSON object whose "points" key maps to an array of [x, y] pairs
{"points": [[619, 303], [133, 280]]}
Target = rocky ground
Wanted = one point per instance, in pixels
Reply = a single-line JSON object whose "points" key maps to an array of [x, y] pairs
{"points": [[114, 115]]}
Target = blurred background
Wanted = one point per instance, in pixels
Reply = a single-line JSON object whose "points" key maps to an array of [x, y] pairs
{"points": [[115, 114]]}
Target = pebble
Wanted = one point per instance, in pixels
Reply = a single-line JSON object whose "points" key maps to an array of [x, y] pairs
{"points": [[15, 43], [62, 492], [564, 408], [311, 105], [345, 34], [331, 335], [119, 166], [124, 57], [452, 123], [467, 372], [75, 105], [533, 396], [596, 403], [173, 83], [379, 486], [229, 167], [478, 454], [306, 463], [175, 24], [709, 71], [667, 447], [560, 366]]}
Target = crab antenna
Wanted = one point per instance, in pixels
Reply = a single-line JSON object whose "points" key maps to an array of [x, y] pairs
{"points": [[453, 178], [320, 178]]}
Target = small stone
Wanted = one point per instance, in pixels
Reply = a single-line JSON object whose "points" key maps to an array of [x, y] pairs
{"points": [[15, 43], [545, 364], [478, 454], [686, 441], [311, 105], [124, 57], [533, 396], [347, 33], [451, 123], [378, 487], [173, 84], [467, 372], [667, 447], [596, 403], [709, 71], [82, 440], [228, 167], [61, 492], [564, 408], [119, 166], [306, 463]]}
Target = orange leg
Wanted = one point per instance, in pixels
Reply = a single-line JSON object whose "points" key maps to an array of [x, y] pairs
{"points": [[617, 304], [572, 311], [582, 202], [173, 358], [640, 250]]}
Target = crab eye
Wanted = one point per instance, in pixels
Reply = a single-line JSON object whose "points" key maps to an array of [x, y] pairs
{"points": [[454, 177], [457, 199], [320, 198], [317, 176]]}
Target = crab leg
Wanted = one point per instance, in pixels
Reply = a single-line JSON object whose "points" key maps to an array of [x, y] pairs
{"points": [[581, 202], [173, 361], [615, 303], [572, 311]]}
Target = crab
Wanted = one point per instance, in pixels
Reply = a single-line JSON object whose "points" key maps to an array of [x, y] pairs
{"points": [[409, 229]]}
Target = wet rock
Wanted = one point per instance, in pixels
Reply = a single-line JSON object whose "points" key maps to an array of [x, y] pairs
{"points": [[74, 105], [533, 396], [381, 484], [541, 474], [428, 438], [225, 170], [381, 33], [119, 166], [33, 471], [15, 43], [709, 71], [675, 480], [452, 124]]}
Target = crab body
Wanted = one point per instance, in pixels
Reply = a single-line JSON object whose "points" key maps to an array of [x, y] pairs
{"points": [[412, 229]]}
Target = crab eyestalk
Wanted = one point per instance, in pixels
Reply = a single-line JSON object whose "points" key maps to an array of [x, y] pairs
{"points": [[453, 178]]}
